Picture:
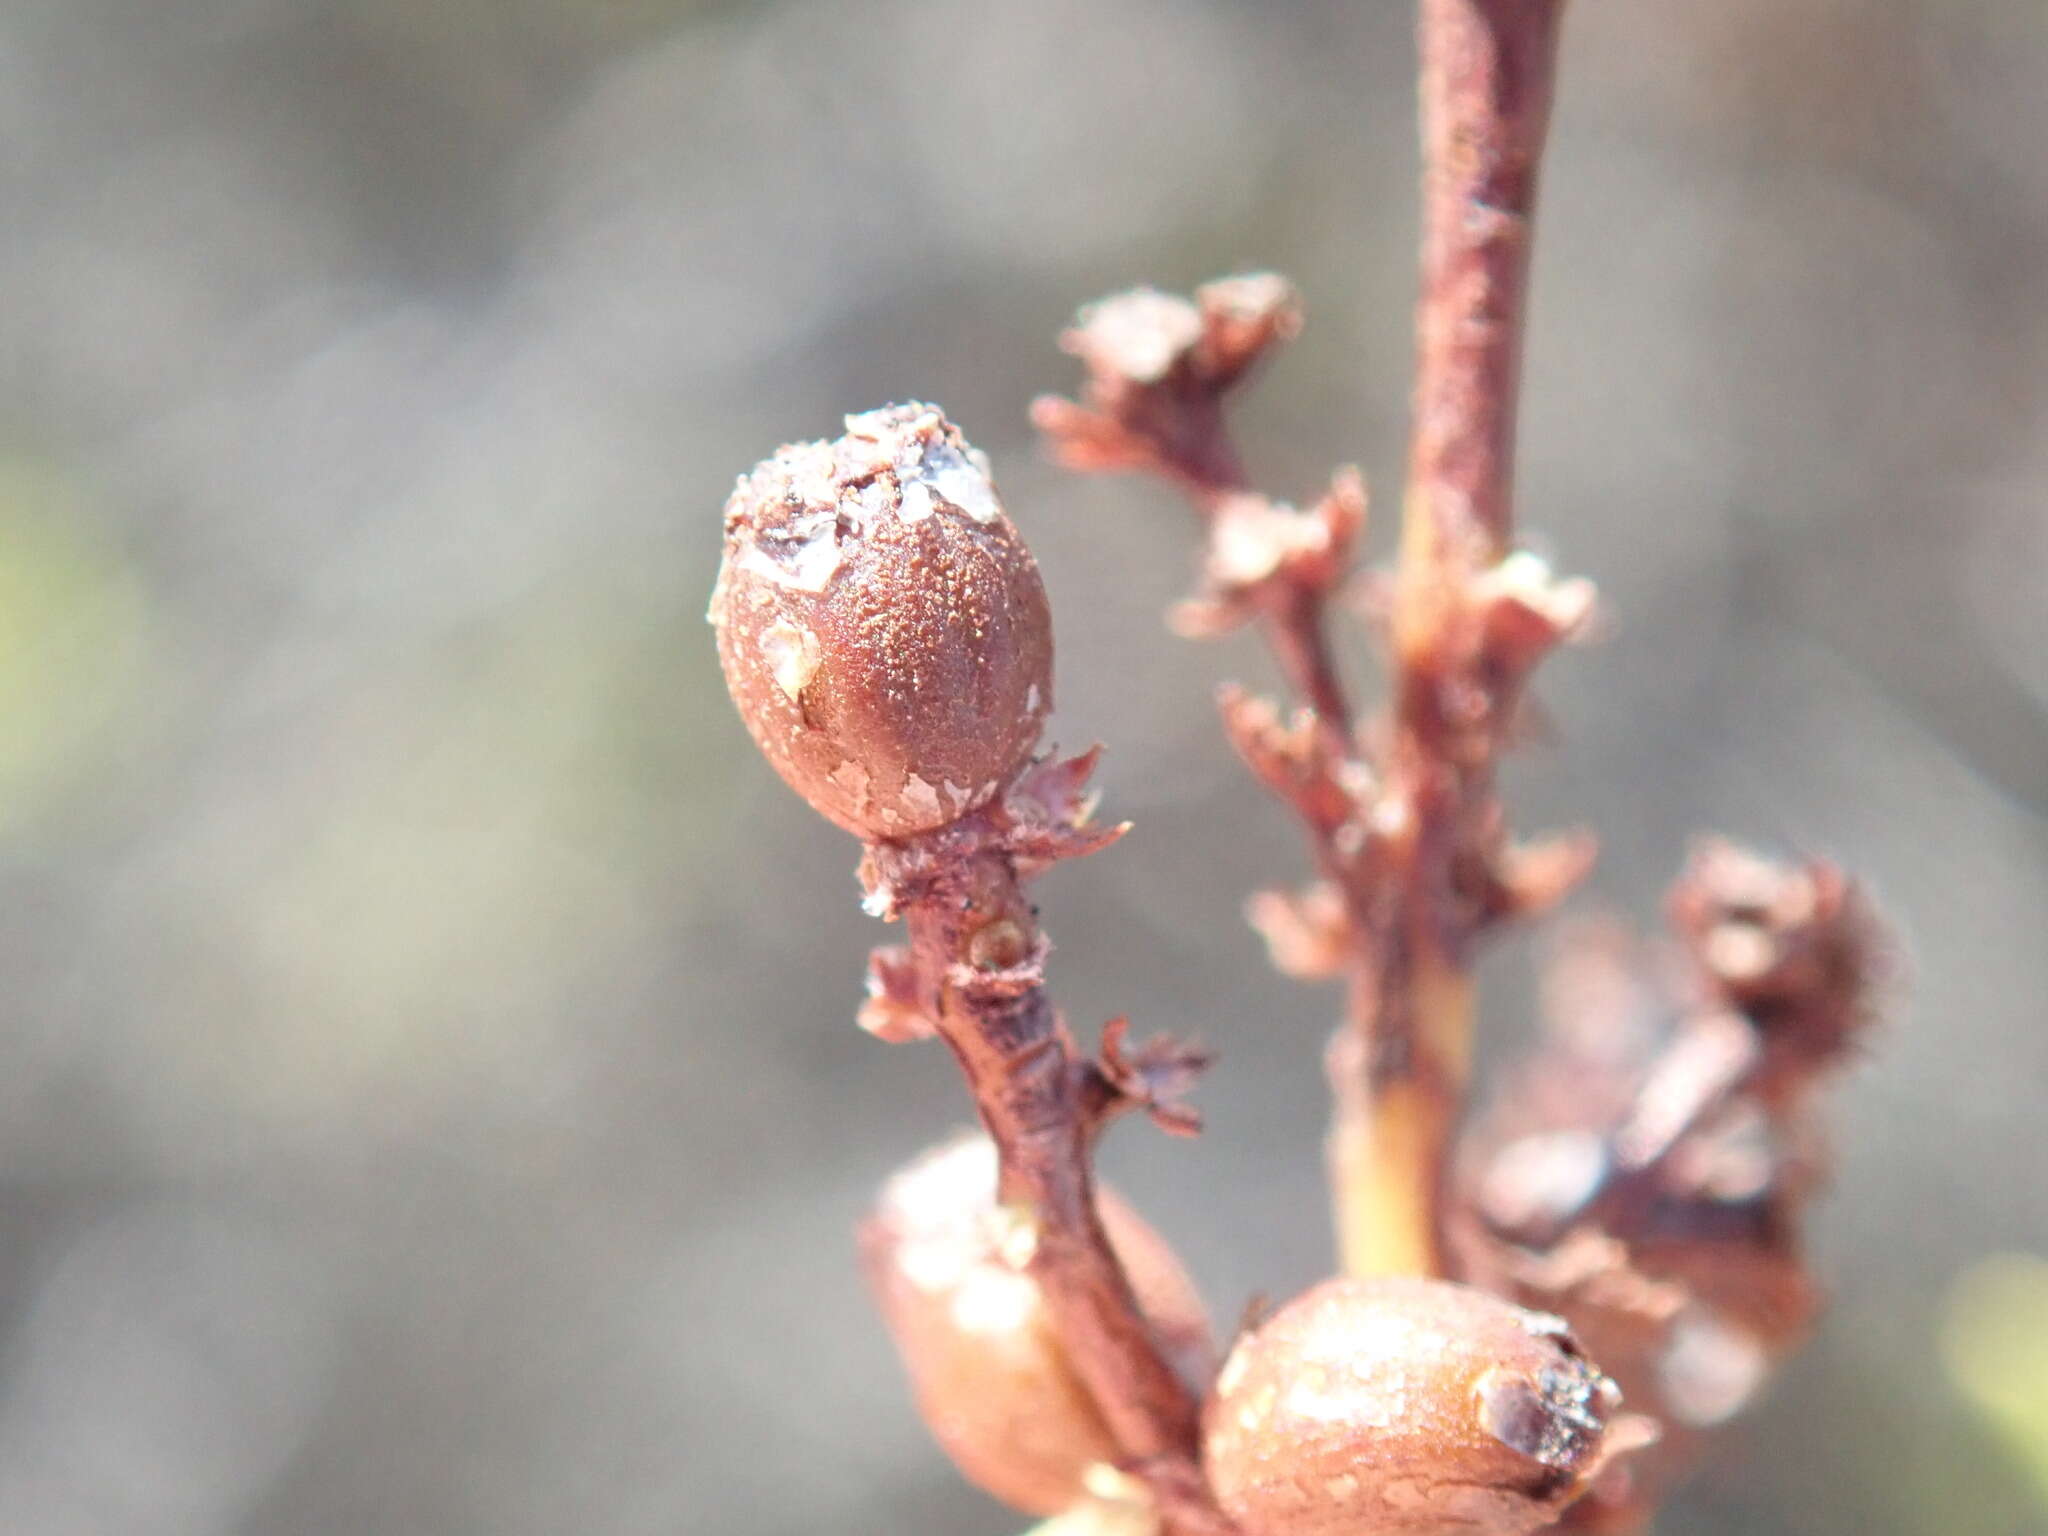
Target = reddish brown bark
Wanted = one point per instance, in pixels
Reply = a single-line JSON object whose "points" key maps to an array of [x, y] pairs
{"points": [[1487, 73], [975, 970], [1486, 80], [1405, 829]]}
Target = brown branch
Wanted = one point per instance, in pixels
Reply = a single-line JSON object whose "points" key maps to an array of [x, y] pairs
{"points": [[1400, 1080], [884, 634], [1405, 830], [975, 965], [1487, 69], [1297, 634]]}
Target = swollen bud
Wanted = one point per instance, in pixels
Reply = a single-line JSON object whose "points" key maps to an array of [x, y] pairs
{"points": [[949, 1267], [1399, 1406], [882, 627]]}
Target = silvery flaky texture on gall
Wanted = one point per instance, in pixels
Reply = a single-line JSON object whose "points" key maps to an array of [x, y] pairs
{"points": [[883, 629]]}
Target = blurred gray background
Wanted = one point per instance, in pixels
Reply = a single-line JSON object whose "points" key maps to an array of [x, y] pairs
{"points": [[429, 1098]]}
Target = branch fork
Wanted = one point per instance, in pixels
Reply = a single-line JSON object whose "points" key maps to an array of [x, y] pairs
{"points": [[1650, 1194], [1405, 830]]}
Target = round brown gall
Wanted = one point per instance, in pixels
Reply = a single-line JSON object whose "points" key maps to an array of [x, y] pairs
{"points": [[882, 627], [1399, 1406], [951, 1269]]}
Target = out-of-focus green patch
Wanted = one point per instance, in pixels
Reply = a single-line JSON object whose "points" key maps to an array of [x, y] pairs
{"points": [[72, 625], [1994, 1341]]}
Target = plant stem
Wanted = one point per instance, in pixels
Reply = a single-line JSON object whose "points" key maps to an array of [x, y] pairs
{"points": [[977, 950], [1486, 82], [1300, 643], [1404, 826], [1400, 1079]]}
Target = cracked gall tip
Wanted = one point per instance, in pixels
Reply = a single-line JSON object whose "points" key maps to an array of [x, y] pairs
{"points": [[883, 629]]}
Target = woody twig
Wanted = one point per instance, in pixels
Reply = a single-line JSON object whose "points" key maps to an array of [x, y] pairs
{"points": [[1404, 824]]}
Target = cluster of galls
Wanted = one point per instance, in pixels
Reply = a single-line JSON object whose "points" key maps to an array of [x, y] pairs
{"points": [[1647, 1173], [884, 634], [1362, 1408]]}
